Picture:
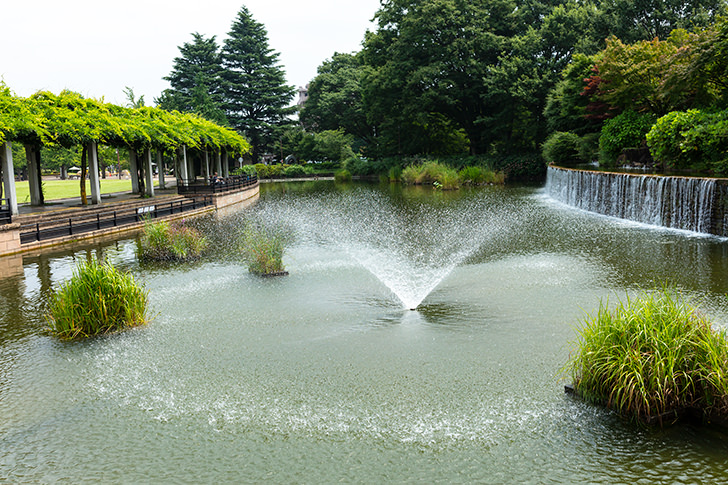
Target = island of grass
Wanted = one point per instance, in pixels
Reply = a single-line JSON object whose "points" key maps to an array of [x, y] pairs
{"points": [[263, 249], [98, 299], [653, 359], [165, 241]]}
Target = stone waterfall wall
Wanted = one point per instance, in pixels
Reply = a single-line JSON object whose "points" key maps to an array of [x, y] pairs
{"points": [[689, 203]]}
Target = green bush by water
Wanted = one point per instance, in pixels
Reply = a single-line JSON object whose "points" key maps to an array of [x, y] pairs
{"points": [[162, 241], [98, 299], [650, 356], [342, 176]]}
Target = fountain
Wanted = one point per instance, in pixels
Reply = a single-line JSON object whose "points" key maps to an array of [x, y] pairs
{"points": [[411, 246], [326, 376]]}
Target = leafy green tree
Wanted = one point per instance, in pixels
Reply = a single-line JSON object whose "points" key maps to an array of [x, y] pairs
{"points": [[566, 103], [256, 97], [195, 80], [635, 20], [335, 97]]}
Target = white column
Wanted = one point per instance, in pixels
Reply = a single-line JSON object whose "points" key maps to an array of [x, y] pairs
{"points": [[6, 154], [33, 175], [93, 173], [218, 164], [160, 169], [134, 170], [182, 175], [149, 174], [206, 167], [225, 165]]}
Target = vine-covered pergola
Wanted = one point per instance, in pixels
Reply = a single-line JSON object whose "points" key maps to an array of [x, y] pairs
{"points": [[69, 120]]}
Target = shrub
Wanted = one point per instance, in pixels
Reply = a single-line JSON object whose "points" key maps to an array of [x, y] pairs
{"points": [[522, 168], [98, 299], [162, 241], [394, 174], [342, 176], [276, 170], [627, 130], [245, 170], [652, 356], [294, 171], [263, 250], [262, 170], [563, 148], [692, 140]]}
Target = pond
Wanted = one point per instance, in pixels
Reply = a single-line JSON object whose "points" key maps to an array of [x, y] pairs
{"points": [[327, 375]]}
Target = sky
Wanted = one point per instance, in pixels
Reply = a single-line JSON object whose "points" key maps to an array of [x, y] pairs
{"points": [[99, 47]]}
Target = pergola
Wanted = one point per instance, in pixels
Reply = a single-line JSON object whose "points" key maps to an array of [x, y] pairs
{"points": [[68, 120]]}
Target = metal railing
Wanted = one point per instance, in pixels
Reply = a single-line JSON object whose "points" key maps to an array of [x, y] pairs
{"points": [[5, 215], [42, 231], [232, 183]]}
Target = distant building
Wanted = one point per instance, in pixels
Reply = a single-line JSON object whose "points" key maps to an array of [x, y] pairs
{"points": [[302, 95]]}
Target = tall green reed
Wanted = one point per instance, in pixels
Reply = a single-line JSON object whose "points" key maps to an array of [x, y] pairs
{"points": [[97, 299], [651, 356]]}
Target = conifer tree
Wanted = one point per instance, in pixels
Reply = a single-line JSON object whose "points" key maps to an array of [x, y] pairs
{"points": [[195, 80], [256, 97]]}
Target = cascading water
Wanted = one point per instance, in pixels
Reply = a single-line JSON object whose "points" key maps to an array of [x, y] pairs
{"points": [[674, 202], [410, 247]]}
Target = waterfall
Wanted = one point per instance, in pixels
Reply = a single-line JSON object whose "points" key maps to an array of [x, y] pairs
{"points": [[676, 202]]}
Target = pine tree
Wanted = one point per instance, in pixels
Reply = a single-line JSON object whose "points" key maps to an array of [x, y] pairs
{"points": [[195, 80], [257, 99]]}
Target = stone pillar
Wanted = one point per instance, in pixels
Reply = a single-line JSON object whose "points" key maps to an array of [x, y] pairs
{"points": [[218, 164], [34, 177], [206, 167], [182, 175], [148, 173], [6, 157], [134, 170], [93, 173], [225, 165], [160, 169]]}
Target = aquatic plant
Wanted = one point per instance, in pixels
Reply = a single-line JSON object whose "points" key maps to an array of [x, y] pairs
{"points": [[429, 173], [342, 176], [162, 241], [263, 250], [98, 299], [652, 358]]}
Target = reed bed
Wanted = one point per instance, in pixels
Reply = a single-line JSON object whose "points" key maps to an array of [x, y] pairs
{"points": [[651, 358], [162, 241], [263, 250], [98, 299]]}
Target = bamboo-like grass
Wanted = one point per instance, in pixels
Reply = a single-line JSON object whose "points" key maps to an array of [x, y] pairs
{"points": [[263, 250], [98, 299], [652, 357], [162, 241]]}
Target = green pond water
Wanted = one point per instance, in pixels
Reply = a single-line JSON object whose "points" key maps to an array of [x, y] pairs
{"points": [[326, 376]]}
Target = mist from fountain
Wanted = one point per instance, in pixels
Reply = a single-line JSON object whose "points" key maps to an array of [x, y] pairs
{"points": [[411, 245]]}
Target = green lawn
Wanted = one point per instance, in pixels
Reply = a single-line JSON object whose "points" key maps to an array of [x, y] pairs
{"points": [[65, 189]]}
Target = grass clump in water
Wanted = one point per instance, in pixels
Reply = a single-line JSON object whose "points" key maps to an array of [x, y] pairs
{"points": [[263, 250], [98, 299], [162, 241], [652, 358]]}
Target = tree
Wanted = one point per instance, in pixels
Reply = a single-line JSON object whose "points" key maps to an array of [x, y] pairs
{"points": [[256, 97], [635, 20], [335, 97], [195, 80]]}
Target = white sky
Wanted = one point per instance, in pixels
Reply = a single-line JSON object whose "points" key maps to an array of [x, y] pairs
{"points": [[97, 47]]}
